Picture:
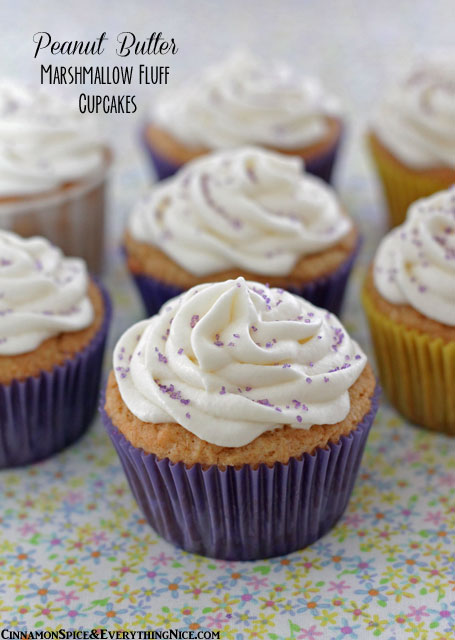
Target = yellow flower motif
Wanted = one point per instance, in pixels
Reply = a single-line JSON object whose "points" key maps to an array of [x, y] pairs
{"points": [[225, 603], [47, 610], [228, 632], [86, 585], [437, 587], [326, 617], [143, 622], [399, 592], [376, 624], [54, 574], [19, 585], [126, 594], [195, 576], [306, 590], [197, 590], [265, 620], [272, 602], [4, 607], [358, 610], [80, 572], [417, 630], [167, 621], [393, 573]]}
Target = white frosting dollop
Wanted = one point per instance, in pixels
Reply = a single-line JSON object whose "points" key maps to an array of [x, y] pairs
{"points": [[42, 293], [415, 262], [248, 208], [246, 101], [44, 142], [416, 121], [231, 360]]}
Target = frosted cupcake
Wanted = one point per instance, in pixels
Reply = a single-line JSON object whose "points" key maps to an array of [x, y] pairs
{"points": [[412, 137], [245, 212], [53, 324], [53, 168], [245, 101], [240, 414], [409, 298]]}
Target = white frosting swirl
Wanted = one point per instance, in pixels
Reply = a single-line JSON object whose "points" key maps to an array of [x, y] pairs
{"points": [[248, 208], [44, 142], [415, 262], [231, 360], [42, 293], [416, 121], [245, 101]]}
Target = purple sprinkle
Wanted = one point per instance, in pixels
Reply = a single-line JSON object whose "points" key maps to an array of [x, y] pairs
{"points": [[299, 418], [309, 380], [194, 321], [187, 416], [223, 391]]}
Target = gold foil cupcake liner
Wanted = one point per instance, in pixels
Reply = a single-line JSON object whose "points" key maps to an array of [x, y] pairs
{"points": [[403, 186], [417, 371]]}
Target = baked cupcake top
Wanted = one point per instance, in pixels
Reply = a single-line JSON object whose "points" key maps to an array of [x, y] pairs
{"points": [[42, 293], [245, 101], [231, 360], [247, 208], [415, 262], [416, 120], [44, 142]]}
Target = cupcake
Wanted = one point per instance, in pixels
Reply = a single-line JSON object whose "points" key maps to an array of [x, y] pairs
{"points": [[240, 414], [245, 101], [53, 324], [409, 298], [53, 169], [412, 137], [243, 212]]}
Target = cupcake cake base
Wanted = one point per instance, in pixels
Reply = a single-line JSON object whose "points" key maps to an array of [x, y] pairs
{"points": [[245, 512], [42, 414]]}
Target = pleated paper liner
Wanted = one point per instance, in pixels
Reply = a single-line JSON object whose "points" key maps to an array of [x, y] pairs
{"points": [[417, 371], [245, 513], [321, 165], [326, 292], [402, 185], [41, 415], [72, 217]]}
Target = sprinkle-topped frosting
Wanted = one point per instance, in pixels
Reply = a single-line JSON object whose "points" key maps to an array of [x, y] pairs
{"points": [[245, 101], [44, 142], [416, 121], [42, 293], [248, 208], [231, 360], [415, 263]]}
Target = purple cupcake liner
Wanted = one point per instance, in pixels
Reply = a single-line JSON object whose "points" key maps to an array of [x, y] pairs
{"points": [[326, 292], [41, 415], [321, 165], [244, 513]]}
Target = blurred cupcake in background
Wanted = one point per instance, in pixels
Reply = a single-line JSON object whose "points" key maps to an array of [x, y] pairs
{"points": [[409, 298], [244, 212], [53, 170], [54, 320], [244, 101], [240, 415], [412, 136]]}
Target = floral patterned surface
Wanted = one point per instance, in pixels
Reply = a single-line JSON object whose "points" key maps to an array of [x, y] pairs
{"points": [[74, 550]]}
